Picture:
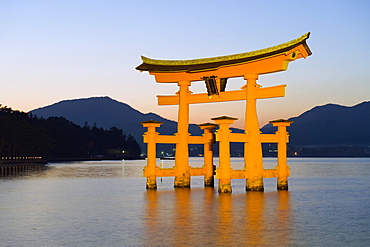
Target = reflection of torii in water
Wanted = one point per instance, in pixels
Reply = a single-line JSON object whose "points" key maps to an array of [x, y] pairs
{"points": [[215, 71]]}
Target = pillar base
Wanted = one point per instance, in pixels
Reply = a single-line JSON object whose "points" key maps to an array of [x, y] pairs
{"points": [[209, 182], [182, 182], [151, 184], [282, 183], [224, 186], [254, 184]]}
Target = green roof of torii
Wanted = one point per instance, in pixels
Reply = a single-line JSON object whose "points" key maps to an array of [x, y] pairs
{"points": [[193, 65]]}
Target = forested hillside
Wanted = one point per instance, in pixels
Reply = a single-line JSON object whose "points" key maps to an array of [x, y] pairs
{"points": [[108, 112], [330, 130], [23, 134]]}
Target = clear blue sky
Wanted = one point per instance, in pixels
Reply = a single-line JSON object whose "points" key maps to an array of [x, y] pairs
{"points": [[56, 50]]}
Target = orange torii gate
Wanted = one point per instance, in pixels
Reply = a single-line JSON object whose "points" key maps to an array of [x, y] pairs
{"points": [[215, 72]]}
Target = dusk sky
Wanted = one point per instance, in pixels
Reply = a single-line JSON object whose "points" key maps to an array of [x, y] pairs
{"points": [[57, 50]]}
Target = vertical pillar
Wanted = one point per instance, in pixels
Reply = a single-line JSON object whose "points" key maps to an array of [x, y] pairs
{"points": [[150, 139], [253, 148], [208, 153], [223, 137], [282, 167], [182, 177]]}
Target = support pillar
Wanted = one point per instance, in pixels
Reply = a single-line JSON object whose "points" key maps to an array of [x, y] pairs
{"points": [[182, 168], [208, 154], [150, 139], [223, 137], [253, 148], [282, 167]]}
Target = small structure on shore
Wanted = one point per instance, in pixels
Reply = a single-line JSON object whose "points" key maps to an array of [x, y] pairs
{"points": [[215, 72], [12, 166]]}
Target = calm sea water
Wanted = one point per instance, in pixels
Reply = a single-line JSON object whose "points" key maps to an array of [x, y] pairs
{"points": [[106, 204]]}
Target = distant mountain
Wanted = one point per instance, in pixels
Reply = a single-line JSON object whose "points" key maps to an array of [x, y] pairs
{"points": [[330, 125], [321, 127], [105, 112]]}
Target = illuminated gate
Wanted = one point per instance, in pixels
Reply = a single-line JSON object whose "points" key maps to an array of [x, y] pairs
{"points": [[215, 72]]}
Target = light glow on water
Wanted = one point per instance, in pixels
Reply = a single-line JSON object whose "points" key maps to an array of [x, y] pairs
{"points": [[105, 203]]}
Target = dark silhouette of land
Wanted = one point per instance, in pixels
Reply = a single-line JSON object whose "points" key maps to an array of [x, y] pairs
{"points": [[329, 130], [106, 112], [55, 138]]}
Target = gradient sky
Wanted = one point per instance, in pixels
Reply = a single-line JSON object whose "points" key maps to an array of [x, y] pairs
{"points": [[56, 50]]}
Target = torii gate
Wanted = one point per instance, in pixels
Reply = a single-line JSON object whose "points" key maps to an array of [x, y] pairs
{"points": [[215, 71]]}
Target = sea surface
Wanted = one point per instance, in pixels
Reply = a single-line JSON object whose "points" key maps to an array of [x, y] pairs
{"points": [[105, 203]]}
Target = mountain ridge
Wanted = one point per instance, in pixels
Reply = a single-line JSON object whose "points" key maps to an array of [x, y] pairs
{"points": [[105, 112], [322, 126], [330, 125]]}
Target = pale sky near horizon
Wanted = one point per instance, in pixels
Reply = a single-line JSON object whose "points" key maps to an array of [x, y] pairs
{"points": [[56, 50]]}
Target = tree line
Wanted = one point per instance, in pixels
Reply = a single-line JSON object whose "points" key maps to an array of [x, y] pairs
{"points": [[23, 134]]}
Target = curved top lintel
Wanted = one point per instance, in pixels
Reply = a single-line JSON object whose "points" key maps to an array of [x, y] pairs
{"points": [[213, 62]]}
